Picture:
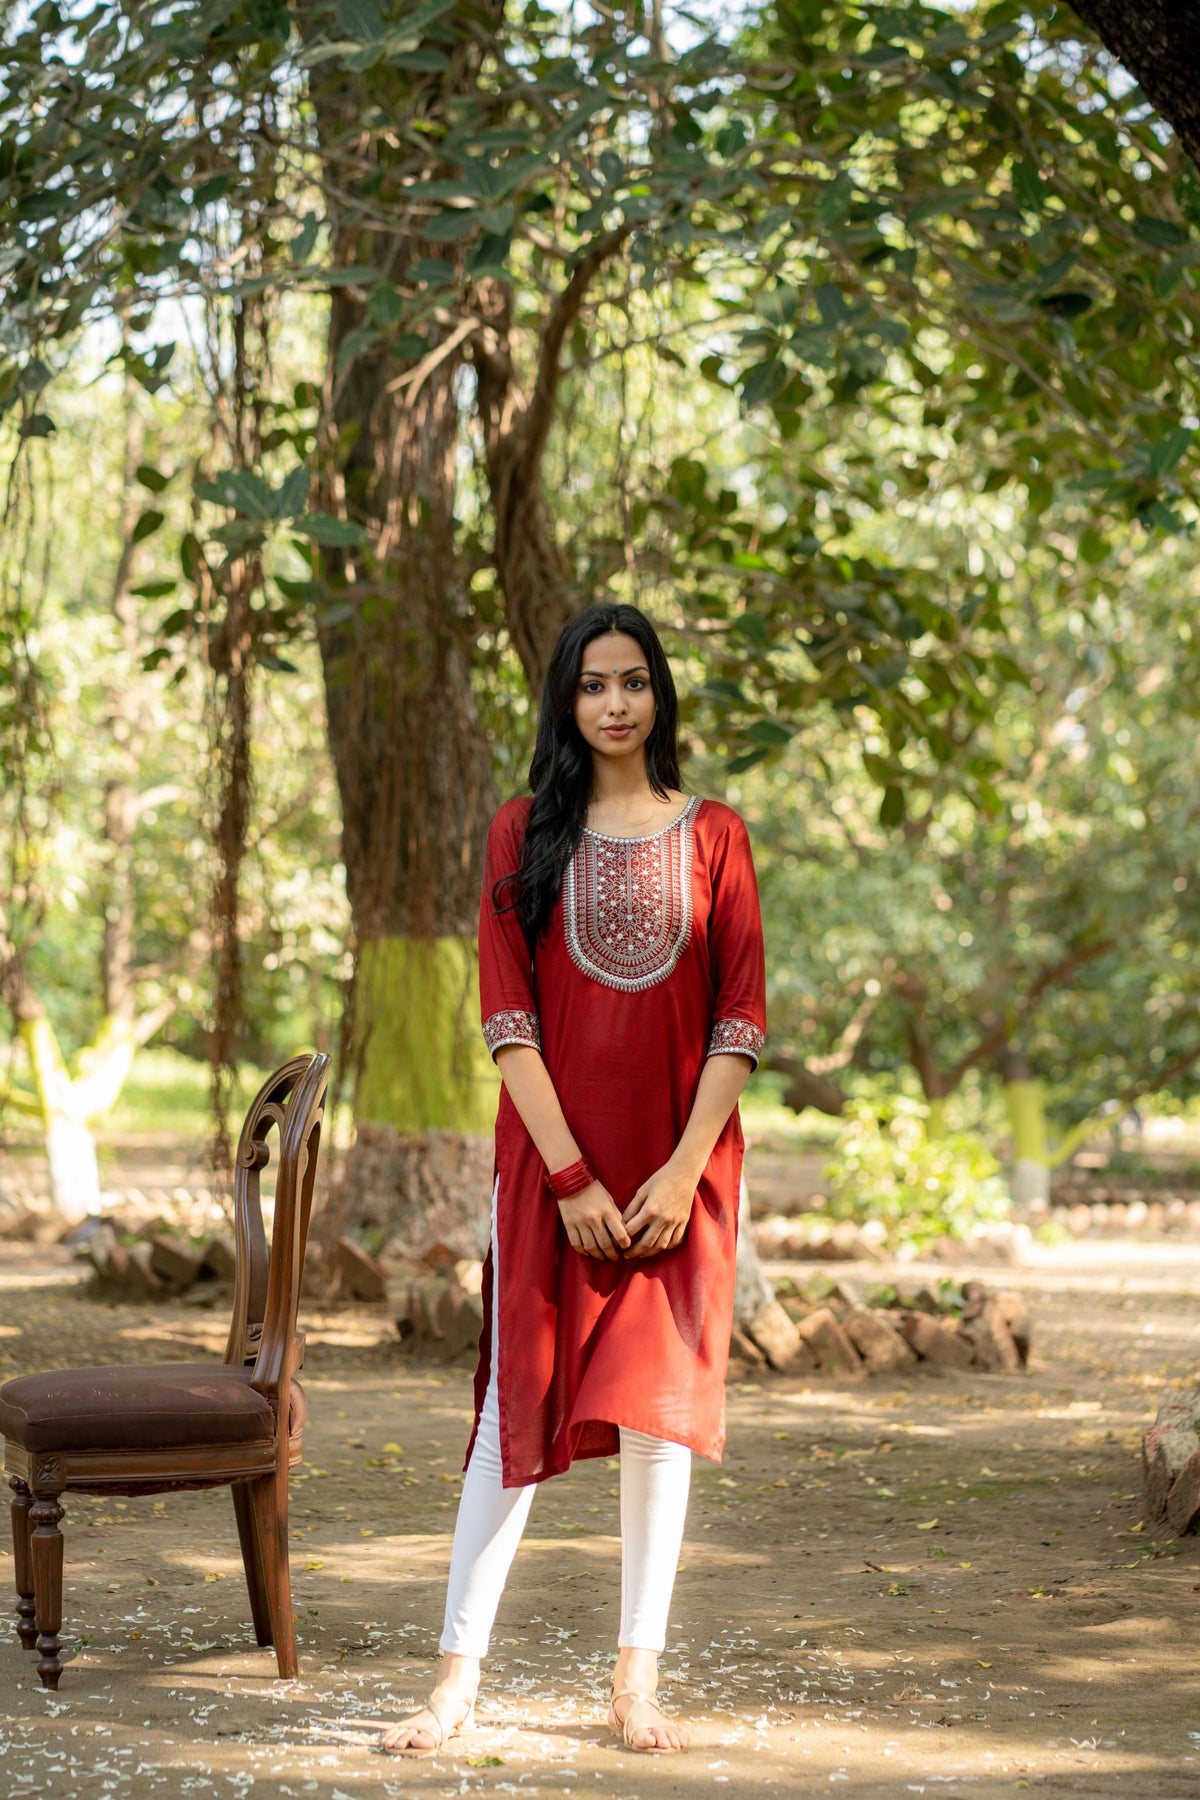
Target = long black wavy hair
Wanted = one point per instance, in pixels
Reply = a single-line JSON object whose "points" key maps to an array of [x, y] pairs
{"points": [[560, 771]]}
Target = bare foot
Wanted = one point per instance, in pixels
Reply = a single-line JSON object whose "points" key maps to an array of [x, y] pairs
{"points": [[642, 1725], [422, 1733]]}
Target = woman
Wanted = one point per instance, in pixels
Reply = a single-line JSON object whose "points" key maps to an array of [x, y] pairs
{"points": [[621, 973]]}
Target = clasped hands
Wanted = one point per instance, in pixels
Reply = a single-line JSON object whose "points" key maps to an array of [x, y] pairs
{"points": [[656, 1219]]}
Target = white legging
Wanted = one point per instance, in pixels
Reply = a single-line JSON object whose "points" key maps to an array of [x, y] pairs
{"points": [[655, 1476]]}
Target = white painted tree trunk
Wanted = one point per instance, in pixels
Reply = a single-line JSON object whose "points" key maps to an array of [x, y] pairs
{"points": [[751, 1287], [1029, 1183], [74, 1172]]}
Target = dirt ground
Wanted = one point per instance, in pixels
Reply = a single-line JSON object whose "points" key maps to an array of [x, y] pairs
{"points": [[942, 1586]]}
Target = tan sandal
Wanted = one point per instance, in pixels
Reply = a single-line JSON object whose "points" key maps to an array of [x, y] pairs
{"points": [[625, 1731], [445, 1731]]}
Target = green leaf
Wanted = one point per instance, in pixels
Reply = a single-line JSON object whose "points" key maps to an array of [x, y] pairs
{"points": [[769, 732], [293, 494], [360, 19], [421, 61], [831, 304], [763, 381], [242, 489], [38, 425], [777, 305], [1164, 234], [892, 807], [301, 246], [323, 528], [385, 306], [745, 760], [151, 478], [146, 526], [1168, 451], [1029, 190], [430, 272], [444, 227]]}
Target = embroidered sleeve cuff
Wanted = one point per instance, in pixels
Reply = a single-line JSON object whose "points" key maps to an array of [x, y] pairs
{"points": [[512, 1028], [736, 1037]]}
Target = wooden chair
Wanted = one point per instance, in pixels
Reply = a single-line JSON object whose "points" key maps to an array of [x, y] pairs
{"points": [[166, 1426]]}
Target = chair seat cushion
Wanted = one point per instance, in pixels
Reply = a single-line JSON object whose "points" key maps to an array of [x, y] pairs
{"points": [[141, 1407]]}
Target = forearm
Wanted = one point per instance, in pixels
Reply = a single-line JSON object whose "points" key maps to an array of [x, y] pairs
{"points": [[721, 1082], [532, 1093]]}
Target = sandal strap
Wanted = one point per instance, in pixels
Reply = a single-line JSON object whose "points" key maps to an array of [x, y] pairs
{"points": [[429, 1707], [636, 1697]]}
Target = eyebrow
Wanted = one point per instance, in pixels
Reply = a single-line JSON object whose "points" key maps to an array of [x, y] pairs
{"points": [[598, 674]]}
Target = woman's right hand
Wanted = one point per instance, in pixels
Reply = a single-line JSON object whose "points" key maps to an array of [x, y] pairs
{"points": [[594, 1223]]}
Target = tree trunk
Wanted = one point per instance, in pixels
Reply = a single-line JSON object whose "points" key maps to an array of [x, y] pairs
{"points": [[413, 770], [1158, 41], [1025, 1099]]}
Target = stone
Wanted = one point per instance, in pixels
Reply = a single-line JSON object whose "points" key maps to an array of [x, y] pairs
{"points": [[208, 1294], [936, 1341], [828, 1341], [425, 1307], [877, 1340], [992, 1341], [317, 1280], [1183, 1501], [1167, 1448], [1013, 1310], [925, 1301], [775, 1334], [464, 1325], [358, 1274], [100, 1246], [140, 1280], [174, 1263], [743, 1348], [440, 1255], [219, 1257]]}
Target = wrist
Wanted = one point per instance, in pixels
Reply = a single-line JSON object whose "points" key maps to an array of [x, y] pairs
{"points": [[687, 1165], [569, 1180]]}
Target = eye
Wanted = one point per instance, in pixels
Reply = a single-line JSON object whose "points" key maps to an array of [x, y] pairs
{"points": [[593, 687], [637, 682]]}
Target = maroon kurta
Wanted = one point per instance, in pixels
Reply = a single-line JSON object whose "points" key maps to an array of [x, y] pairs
{"points": [[652, 962]]}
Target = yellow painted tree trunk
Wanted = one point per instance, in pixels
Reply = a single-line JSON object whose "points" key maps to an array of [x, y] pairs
{"points": [[425, 1099], [1029, 1180]]}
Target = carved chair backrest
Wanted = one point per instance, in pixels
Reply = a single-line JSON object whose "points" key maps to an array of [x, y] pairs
{"points": [[266, 1292]]}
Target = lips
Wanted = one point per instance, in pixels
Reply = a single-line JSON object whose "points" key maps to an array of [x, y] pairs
{"points": [[616, 730]]}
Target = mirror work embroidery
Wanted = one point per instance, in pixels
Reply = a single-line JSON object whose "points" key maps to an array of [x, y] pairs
{"points": [[627, 904]]}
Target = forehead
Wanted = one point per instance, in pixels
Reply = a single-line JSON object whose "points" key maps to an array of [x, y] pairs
{"points": [[614, 650]]}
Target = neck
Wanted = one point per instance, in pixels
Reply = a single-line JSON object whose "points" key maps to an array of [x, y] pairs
{"points": [[616, 781]]}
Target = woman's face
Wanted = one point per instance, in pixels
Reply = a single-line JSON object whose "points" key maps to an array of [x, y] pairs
{"points": [[614, 702]]}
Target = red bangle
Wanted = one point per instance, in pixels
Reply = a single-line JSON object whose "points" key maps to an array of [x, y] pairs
{"points": [[570, 1181]]}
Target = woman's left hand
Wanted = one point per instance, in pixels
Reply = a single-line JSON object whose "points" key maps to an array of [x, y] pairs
{"points": [[657, 1216]]}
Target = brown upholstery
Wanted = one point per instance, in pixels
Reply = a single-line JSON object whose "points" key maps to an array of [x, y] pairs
{"points": [[141, 1407]]}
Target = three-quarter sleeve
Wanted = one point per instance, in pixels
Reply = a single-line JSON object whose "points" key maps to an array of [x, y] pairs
{"points": [[735, 938], [507, 1004]]}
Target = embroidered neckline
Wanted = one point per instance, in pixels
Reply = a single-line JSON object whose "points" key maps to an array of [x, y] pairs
{"points": [[650, 836], [627, 903]]}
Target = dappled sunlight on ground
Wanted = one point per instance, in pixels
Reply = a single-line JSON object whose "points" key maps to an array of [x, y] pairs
{"points": [[939, 1586]]}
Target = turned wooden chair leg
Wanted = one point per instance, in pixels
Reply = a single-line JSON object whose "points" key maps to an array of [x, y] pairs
{"points": [[22, 1504], [269, 1497], [47, 1547], [252, 1563]]}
